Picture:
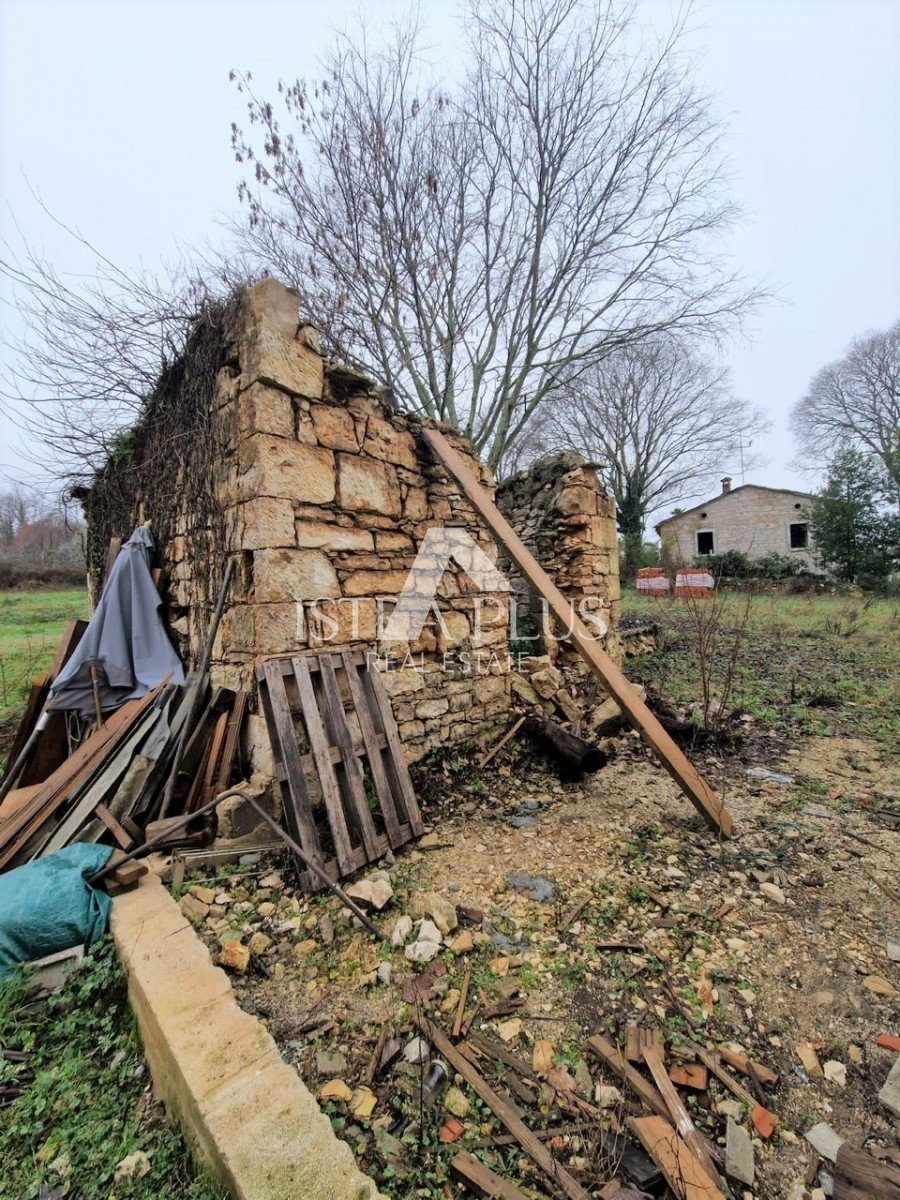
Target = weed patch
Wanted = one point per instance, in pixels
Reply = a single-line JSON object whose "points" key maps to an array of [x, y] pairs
{"points": [[87, 1103]]}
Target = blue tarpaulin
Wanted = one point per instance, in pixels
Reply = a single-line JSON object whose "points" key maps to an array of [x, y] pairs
{"points": [[48, 905]]}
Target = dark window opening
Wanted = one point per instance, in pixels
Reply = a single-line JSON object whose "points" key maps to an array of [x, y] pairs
{"points": [[705, 542], [799, 536]]}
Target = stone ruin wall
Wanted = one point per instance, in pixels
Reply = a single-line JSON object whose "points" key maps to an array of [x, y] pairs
{"points": [[327, 495], [569, 525]]}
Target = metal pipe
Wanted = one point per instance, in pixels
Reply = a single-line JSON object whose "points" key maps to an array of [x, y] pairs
{"points": [[177, 823], [24, 754]]}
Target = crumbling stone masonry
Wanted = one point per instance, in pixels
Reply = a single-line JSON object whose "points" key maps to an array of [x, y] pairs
{"points": [[569, 525], [325, 494], [327, 498]]}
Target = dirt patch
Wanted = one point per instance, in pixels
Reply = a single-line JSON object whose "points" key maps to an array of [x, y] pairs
{"points": [[675, 933]]}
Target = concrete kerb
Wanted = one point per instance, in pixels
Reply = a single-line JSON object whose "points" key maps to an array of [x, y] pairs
{"points": [[246, 1113]]}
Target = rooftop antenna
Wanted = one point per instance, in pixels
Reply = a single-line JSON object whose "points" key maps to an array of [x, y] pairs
{"points": [[741, 448]]}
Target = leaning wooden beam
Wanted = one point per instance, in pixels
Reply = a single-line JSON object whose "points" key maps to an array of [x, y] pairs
{"points": [[538, 1153], [682, 771]]}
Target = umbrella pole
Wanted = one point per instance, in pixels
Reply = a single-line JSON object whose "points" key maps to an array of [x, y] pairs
{"points": [[95, 683]]}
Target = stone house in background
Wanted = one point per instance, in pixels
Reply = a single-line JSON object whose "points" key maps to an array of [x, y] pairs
{"points": [[757, 521]]}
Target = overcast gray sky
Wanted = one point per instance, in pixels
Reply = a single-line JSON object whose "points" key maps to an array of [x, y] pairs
{"points": [[119, 114]]}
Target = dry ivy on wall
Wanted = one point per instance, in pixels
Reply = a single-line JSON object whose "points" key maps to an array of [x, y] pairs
{"points": [[171, 457]]}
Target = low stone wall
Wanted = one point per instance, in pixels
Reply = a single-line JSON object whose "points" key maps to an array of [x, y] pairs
{"points": [[245, 1113], [559, 511]]}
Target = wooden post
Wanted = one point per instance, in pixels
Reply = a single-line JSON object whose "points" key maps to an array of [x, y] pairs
{"points": [[682, 771]]}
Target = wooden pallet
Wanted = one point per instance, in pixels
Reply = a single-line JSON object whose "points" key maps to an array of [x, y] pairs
{"points": [[349, 730]]}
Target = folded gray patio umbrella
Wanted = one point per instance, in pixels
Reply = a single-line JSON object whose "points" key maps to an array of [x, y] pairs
{"points": [[125, 641]]}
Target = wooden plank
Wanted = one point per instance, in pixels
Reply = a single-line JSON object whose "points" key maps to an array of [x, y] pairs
{"points": [[34, 706], [491, 1048], [374, 744], [16, 799], [637, 1037], [463, 997], [16, 831], [71, 636], [615, 1060], [747, 1066], [680, 1115], [214, 758], [399, 769], [684, 1174], [85, 797], [52, 746], [318, 744], [481, 1179], [232, 741], [297, 807], [354, 792], [714, 1063], [194, 798], [124, 841], [126, 877], [690, 1075], [859, 1174], [673, 759], [501, 1109]]}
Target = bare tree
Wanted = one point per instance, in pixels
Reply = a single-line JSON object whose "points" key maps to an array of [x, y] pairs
{"points": [[83, 352], [856, 401], [658, 420], [476, 245]]}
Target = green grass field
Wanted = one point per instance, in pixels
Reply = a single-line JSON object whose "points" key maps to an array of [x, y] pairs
{"points": [[31, 624], [826, 664]]}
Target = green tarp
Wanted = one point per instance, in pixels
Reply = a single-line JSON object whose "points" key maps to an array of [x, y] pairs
{"points": [[48, 905]]}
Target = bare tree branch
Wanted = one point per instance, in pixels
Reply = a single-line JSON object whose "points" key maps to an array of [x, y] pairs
{"points": [[856, 401], [474, 244], [84, 352], [657, 420]]}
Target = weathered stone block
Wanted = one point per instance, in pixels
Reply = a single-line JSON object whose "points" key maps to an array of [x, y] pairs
{"points": [[280, 575], [385, 441], [337, 622], [320, 535], [374, 583], [334, 427], [269, 349], [577, 500], [387, 543], [367, 485], [265, 522], [415, 504], [455, 631], [403, 681], [283, 467], [279, 628], [264, 409]]}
